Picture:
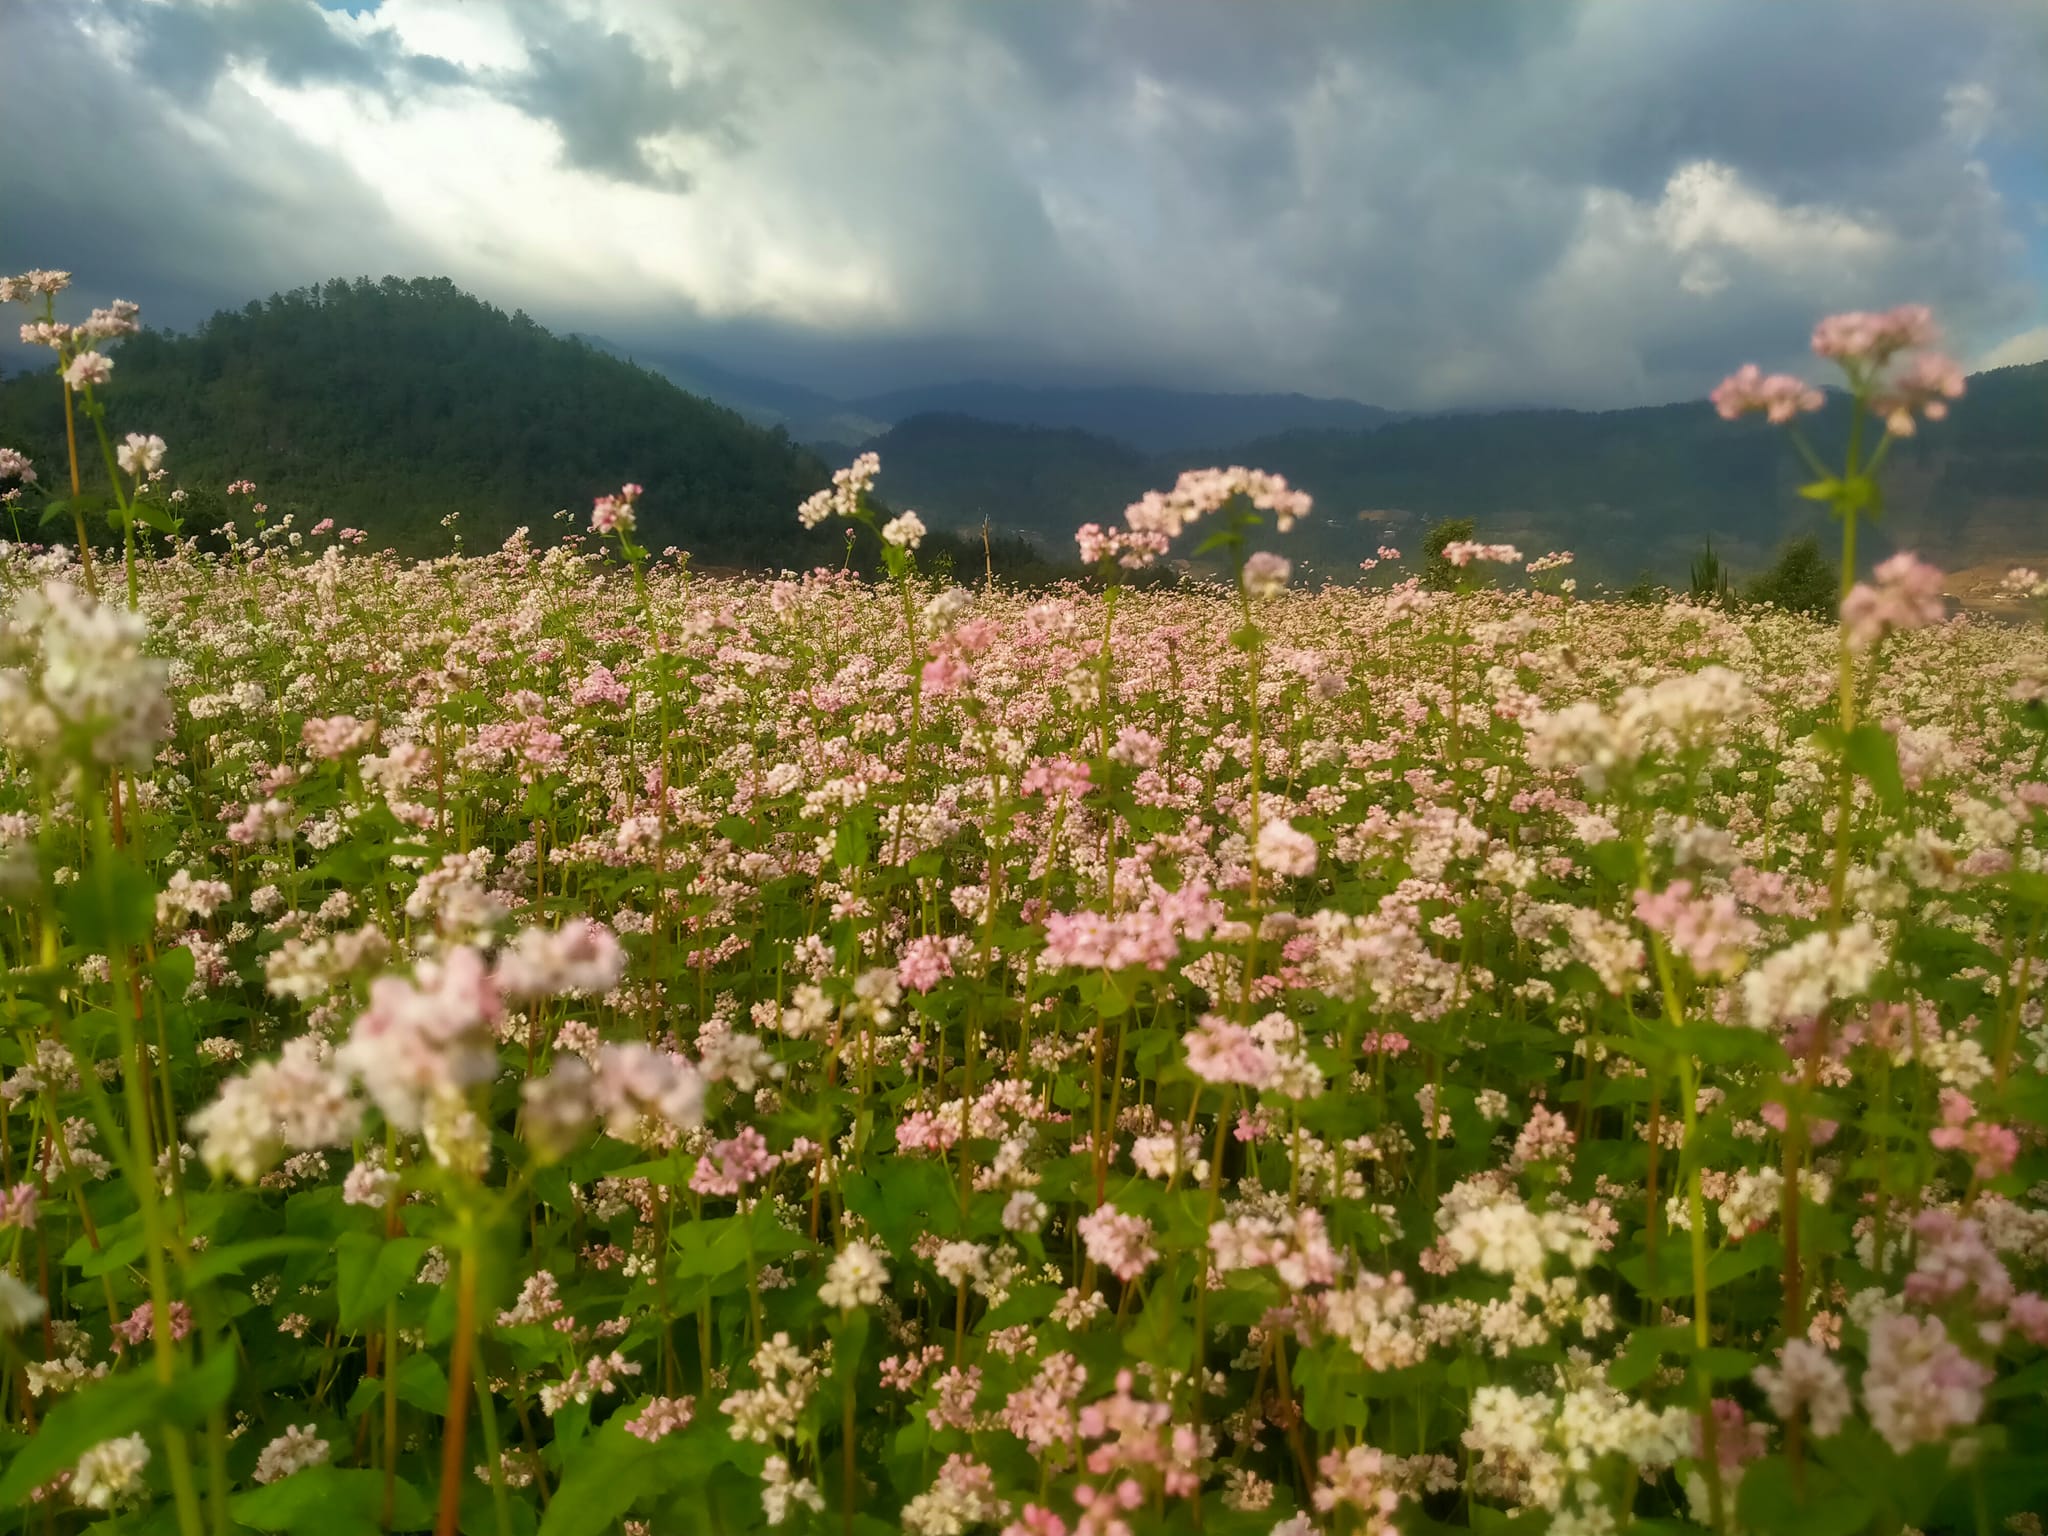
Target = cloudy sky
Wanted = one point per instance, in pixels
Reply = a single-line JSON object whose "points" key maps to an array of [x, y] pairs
{"points": [[1416, 204]]}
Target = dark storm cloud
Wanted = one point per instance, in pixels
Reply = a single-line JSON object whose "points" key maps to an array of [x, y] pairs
{"points": [[608, 99], [1492, 201], [139, 206], [182, 49]]}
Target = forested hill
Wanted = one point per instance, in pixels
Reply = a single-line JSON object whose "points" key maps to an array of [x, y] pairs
{"points": [[388, 405]]}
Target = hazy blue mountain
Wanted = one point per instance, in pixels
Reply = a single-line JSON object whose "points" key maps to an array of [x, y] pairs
{"points": [[805, 414], [1147, 419], [1150, 420], [1628, 491], [1039, 481]]}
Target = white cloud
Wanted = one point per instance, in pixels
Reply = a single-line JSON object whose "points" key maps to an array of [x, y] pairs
{"points": [[1972, 109], [2030, 346]]}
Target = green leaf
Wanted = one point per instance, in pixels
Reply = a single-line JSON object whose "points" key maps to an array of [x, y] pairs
{"points": [[216, 1262], [331, 1501], [106, 1410], [174, 970], [371, 1270], [111, 905], [1873, 754], [1771, 1500], [1646, 1347], [610, 1471], [423, 1383], [850, 844]]}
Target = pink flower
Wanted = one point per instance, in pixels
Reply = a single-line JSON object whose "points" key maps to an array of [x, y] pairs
{"points": [[1120, 1243], [599, 686], [336, 736], [1737, 1441], [1055, 776], [1546, 1138], [1926, 383], [1780, 396], [1463, 552], [1094, 942], [1805, 1381], [1133, 549], [729, 1166], [1200, 492], [1865, 336], [1919, 1386], [1219, 1051], [1710, 934], [18, 1206], [1907, 595], [924, 963], [579, 957], [141, 1323], [615, 514], [1362, 1479], [2027, 1315], [426, 1039], [662, 1417], [1992, 1148]]}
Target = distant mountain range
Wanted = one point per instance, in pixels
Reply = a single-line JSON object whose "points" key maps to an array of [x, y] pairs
{"points": [[1151, 420], [805, 415], [1630, 492], [389, 405]]}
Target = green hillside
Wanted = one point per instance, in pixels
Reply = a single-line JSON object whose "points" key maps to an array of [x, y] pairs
{"points": [[388, 405]]}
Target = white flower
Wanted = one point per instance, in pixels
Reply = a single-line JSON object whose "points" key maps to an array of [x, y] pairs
{"points": [[1266, 574], [855, 1278], [905, 532], [139, 455], [293, 1451], [19, 1305], [1284, 850], [110, 1472], [89, 368]]}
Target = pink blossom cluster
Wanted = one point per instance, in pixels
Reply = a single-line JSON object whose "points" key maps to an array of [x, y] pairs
{"points": [[1120, 1242], [1906, 594], [1133, 549], [1463, 552], [1779, 396], [1708, 932], [1201, 492], [615, 513], [1991, 1148]]}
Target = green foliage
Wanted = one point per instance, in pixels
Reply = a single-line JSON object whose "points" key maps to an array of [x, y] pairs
{"points": [[1710, 580], [1802, 581], [1439, 575], [390, 406]]}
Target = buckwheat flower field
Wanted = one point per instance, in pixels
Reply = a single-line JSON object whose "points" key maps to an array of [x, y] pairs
{"points": [[553, 1041]]}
